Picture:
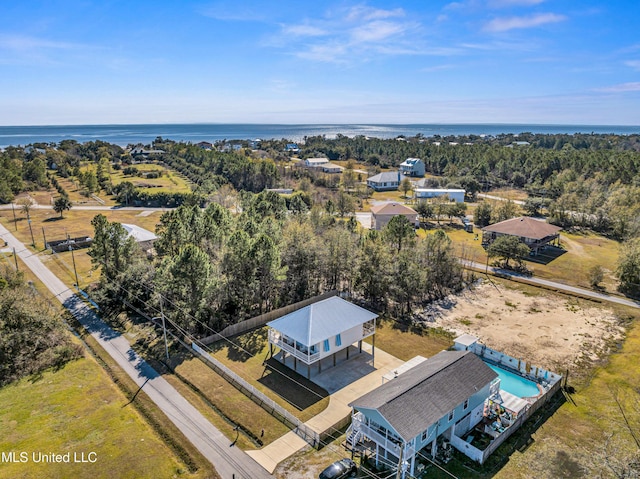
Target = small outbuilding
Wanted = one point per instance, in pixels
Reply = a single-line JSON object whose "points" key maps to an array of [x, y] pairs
{"points": [[427, 193]]}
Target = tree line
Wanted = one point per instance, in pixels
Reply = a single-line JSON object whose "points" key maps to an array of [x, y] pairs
{"points": [[213, 268]]}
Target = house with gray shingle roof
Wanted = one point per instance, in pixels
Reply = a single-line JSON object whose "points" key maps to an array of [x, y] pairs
{"points": [[439, 397], [319, 331], [386, 181]]}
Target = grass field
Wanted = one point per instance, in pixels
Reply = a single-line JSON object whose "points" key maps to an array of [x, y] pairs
{"points": [[52, 413], [170, 181], [245, 355], [582, 251]]}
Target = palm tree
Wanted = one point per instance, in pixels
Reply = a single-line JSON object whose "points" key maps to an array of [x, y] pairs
{"points": [[62, 203]]}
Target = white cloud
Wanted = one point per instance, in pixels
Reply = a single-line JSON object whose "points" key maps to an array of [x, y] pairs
{"points": [[621, 87], [236, 11], [513, 3], [368, 13], [356, 32], [503, 24], [21, 43], [437, 68], [377, 31], [635, 64], [304, 31]]}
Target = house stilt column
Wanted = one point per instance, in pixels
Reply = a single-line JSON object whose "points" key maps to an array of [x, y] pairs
{"points": [[360, 346], [308, 371], [434, 447], [373, 348]]}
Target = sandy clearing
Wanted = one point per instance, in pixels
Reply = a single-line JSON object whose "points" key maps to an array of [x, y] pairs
{"points": [[552, 331]]}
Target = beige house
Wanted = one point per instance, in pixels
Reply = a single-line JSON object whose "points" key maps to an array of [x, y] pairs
{"points": [[382, 214], [536, 234]]}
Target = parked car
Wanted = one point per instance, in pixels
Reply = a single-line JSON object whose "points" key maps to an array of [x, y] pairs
{"points": [[340, 469]]}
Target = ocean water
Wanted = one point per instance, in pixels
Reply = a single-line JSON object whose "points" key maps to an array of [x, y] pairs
{"points": [[132, 134]]}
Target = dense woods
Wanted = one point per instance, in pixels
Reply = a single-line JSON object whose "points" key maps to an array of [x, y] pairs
{"points": [[214, 268], [33, 336]]}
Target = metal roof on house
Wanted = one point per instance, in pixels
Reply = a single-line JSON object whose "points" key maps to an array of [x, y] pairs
{"points": [[385, 177], [317, 161], [421, 396], [139, 234], [410, 161], [392, 209], [322, 320], [524, 227]]}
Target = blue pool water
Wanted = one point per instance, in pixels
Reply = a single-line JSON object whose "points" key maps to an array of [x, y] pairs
{"points": [[514, 384]]}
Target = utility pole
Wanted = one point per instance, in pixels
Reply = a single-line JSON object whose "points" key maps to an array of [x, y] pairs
{"points": [[15, 221], [15, 258], [74, 263], [164, 328], [44, 236], [33, 242]]}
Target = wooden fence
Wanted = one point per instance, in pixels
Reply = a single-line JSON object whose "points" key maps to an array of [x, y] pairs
{"points": [[257, 321]]}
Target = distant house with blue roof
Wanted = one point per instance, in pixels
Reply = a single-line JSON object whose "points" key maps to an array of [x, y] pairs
{"points": [[319, 331], [291, 148]]}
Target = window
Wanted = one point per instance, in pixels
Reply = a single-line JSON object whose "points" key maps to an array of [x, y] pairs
{"points": [[326, 345], [466, 404], [451, 416], [338, 340], [424, 436]]}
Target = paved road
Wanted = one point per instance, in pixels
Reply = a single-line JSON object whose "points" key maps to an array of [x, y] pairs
{"points": [[87, 208], [228, 461], [499, 198], [552, 284]]}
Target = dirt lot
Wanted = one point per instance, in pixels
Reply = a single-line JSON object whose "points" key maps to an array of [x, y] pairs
{"points": [[549, 330]]}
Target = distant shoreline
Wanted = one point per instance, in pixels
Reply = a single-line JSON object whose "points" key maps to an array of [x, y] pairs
{"points": [[124, 134]]}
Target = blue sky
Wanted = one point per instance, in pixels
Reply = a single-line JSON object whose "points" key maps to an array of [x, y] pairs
{"points": [[281, 61]]}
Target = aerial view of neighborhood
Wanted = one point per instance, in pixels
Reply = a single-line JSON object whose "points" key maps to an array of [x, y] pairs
{"points": [[206, 275]]}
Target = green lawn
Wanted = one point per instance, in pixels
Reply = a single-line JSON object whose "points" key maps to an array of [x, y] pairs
{"points": [[245, 354], [170, 181], [78, 409]]}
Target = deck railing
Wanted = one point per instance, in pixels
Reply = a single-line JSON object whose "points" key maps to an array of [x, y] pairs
{"points": [[307, 358]]}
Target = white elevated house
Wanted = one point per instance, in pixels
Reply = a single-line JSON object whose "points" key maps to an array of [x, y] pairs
{"points": [[412, 167], [441, 397], [321, 330]]}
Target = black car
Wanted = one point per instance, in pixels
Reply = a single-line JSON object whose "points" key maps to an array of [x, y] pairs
{"points": [[340, 469]]}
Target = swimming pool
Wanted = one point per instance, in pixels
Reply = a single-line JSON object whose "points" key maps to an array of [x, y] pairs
{"points": [[514, 384]]}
